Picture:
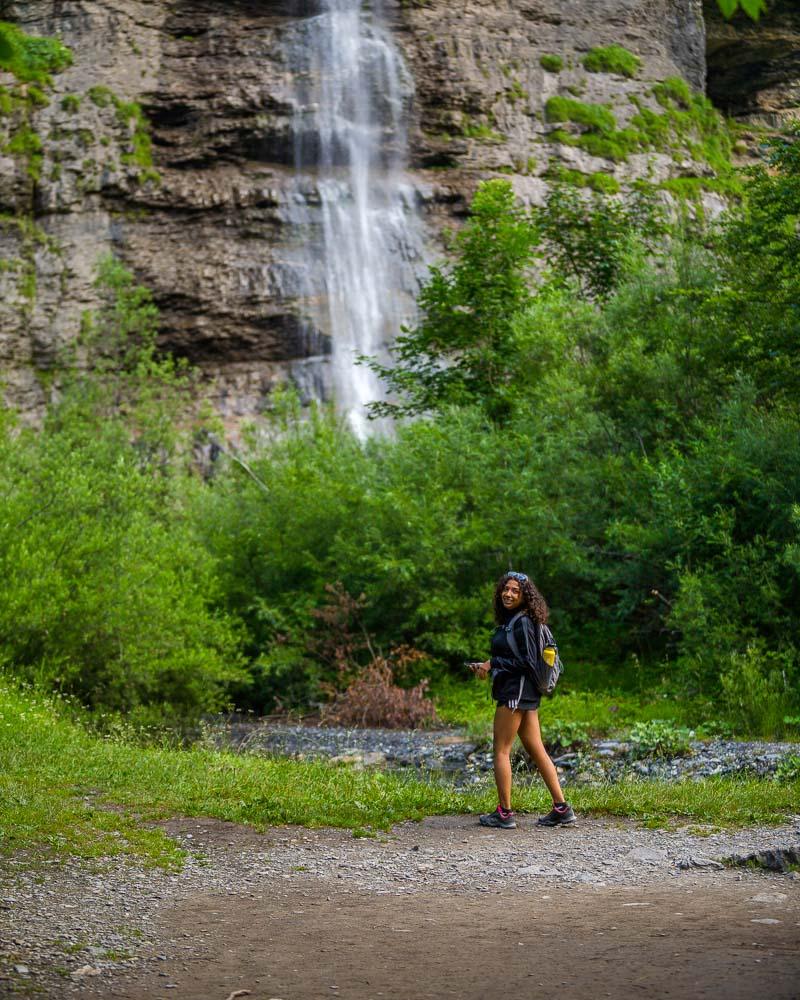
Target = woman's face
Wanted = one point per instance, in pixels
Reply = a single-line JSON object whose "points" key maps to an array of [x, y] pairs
{"points": [[511, 595]]}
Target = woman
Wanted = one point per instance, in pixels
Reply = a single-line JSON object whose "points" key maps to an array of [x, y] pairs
{"points": [[517, 600]]}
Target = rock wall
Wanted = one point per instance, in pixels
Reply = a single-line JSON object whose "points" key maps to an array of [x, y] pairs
{"points": [[210, 228], [754, 67]]}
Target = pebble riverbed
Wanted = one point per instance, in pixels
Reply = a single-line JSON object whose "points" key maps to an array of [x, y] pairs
{"points": [[448, 752]]}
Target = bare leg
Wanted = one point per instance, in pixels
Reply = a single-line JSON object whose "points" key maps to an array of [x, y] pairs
{"points": [[531, 736], [506, 724]]}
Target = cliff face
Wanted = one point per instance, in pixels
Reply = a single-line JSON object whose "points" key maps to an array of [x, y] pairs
{"points": [[213, 226], [754, 67]]}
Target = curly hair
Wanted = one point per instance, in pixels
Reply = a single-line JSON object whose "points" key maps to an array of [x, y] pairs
{"points": [[533, 604]]}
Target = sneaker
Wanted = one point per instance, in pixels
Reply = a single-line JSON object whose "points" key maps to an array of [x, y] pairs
{"points": [[504, 821], [558, 817]]}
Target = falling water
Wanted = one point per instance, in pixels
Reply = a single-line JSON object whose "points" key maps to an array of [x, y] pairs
{"points": [[353, 94]]}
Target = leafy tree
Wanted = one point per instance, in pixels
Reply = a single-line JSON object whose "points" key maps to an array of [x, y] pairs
{"points": [[587, 241], [459, 351], [108, 590], [760, 252]]}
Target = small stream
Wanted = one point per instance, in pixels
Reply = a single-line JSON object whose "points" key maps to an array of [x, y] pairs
{"points": [[449, 752]]}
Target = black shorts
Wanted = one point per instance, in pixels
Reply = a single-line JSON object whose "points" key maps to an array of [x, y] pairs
{"points": [[515, 691]]}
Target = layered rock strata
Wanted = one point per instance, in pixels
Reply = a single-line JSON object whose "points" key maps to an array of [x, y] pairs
{"points": [[212, 227]]}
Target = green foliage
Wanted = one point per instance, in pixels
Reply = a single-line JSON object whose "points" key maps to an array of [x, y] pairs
{"points": [[130, 117], [566, 735], [551, 62], [26, 143], [612, 59], [659, 738], [29, 58], [516, 92], [71, 103], [760, 256], [753, 8], [673, 90], [754, 689], [57, 782], [689, 124], [101, 96], [459, 349], [593, 116], [479, 130], [109, 592], [789, 768], [601, 138], [596, 181], [588, 242]]}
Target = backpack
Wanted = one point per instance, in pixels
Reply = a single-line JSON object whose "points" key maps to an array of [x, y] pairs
{"points": [[545, 675]]}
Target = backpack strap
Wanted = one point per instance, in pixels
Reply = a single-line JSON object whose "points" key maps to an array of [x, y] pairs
{"points": [[509, 629]]}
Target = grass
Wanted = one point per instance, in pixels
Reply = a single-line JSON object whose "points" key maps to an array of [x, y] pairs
{"points": [[612, 59], [687, 124], [602, 713], [594, 116], [65, 791], [31, 59], [596, 181], [551, 62]]}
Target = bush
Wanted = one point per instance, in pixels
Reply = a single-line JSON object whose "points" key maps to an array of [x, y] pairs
{"points": [[754, 689], [561, 736], [108, 590], [659, 738], [373, 698], [788, 768]]}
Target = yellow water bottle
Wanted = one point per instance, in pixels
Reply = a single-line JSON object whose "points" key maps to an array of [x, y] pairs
{"points": [[549, 655]]}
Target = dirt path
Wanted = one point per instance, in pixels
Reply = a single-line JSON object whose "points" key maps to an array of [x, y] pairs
{"points": [[437, 909]]}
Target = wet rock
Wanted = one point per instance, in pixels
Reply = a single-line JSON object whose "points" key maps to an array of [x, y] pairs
{"points": [[779, 859], [699, 861]]}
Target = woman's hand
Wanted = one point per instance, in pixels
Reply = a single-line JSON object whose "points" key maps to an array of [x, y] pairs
{"points": [[481, 670]]}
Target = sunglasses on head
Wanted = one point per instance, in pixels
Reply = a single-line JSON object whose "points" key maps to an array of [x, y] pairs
{"points": [[520, 577]]}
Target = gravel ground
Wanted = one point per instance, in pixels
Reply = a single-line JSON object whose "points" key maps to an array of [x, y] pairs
{"points": [[110, 928], [74, 928]]}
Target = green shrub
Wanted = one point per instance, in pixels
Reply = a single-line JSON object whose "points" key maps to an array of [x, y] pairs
{"points": [[561, 736], [100, 96], [551, 62], [754, 689], [612, 59], [659, 738], [788, 768], [109, 590], [596, 181], [602, 138]]}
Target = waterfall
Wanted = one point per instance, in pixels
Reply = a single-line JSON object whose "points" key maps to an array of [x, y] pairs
{"points": [[362, 266]]}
